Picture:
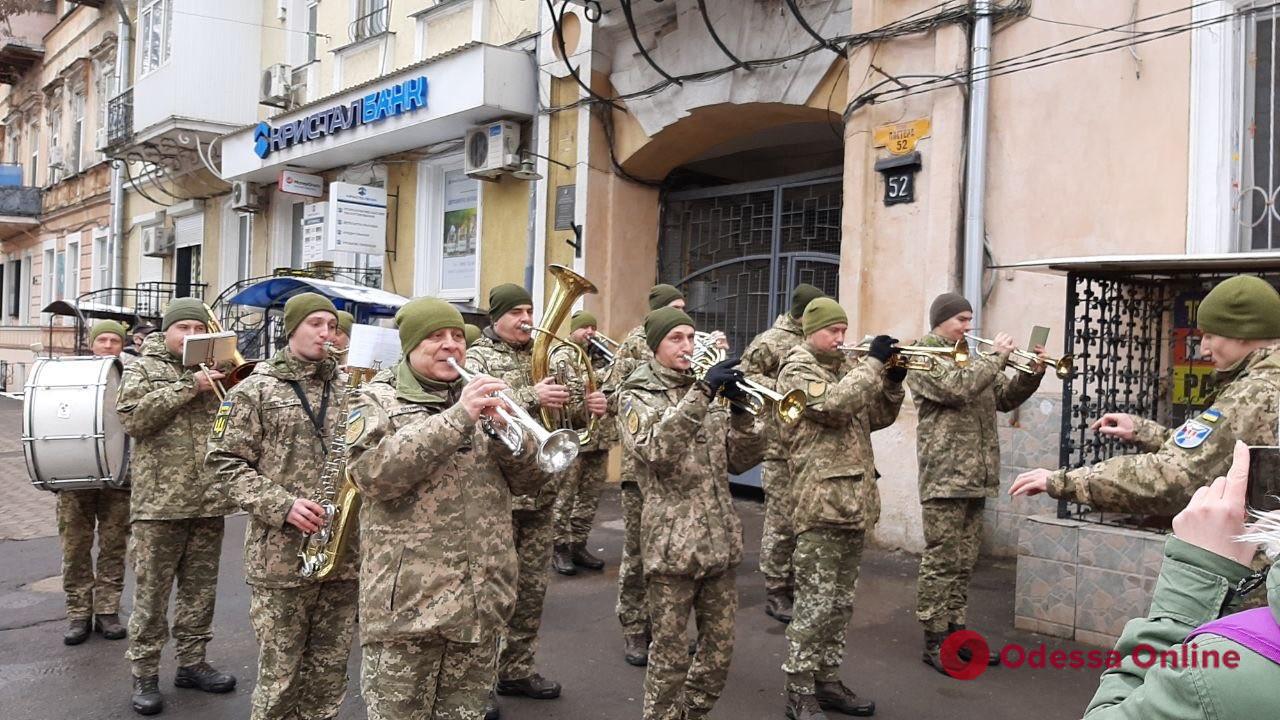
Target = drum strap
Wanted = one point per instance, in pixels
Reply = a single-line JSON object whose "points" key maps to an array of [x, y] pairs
{"points": [[317, 421]]}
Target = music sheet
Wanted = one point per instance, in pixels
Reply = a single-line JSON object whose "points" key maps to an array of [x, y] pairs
{"points": [[373, 347]]}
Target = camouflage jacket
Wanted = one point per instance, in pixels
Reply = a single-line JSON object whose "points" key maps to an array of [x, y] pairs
{"points": [[685, 445], [265, 454], [761, 362], [1162, 480], [833, 472], [606, 429], [957, 446], [633, 351], [168, 422], [437, 552]]}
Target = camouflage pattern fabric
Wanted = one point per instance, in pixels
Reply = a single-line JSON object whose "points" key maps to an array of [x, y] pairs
{"points": [[761, 363], [533, 538], [677, 686], [265, 453], [957, 446], [427, 678], [168, 423], [437, 554], [304, 638], [575, 508], [1162, 482], [632, 353], [88, 592], [164, 550], [833, 474], [952, 536], [827, 563], [632, 608]]}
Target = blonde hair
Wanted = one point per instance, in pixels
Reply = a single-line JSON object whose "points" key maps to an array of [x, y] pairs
{"points": [[1264, 530]]}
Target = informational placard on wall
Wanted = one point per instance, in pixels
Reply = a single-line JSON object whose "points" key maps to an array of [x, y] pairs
{"points": [[313, 217], [357, 219], [460, 228]]}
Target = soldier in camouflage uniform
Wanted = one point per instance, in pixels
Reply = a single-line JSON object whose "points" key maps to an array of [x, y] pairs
{"points": [[575, 507], [438, 570], [503, 352], [1240, 319], [632, 611], [93, 599], [691, 537], [760, 363], [959, 455], [176, 509], [268, 449], [836, 500]]}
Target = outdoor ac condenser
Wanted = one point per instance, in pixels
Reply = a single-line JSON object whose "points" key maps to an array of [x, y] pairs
{"points": [[245, 197], [275, 86], [492, 149], [157, 241]]}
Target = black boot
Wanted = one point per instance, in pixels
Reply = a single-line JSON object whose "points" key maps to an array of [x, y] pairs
{"points": [[535, 686], [203, 676], [932, 646], [993, 658], [491, 711], [109, 627], [636, 649], [562, 560], [778, 605], [839, 698], [584, 559], [147, 699], [77, 632], [804, 707]]}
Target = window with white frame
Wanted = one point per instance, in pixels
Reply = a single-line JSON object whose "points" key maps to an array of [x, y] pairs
{"points": [[244, 245], [104, 90], [101, 275], [49, 274], [71, 268], [1257, 157], [56, 161], [33, 147], [13, 153], [313, 27], [370, 18], [75, 149], [449, 232], [155, 30]]}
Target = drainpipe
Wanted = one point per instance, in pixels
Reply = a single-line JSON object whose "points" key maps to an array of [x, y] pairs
{"points": [[124, 38], [976, 170]]}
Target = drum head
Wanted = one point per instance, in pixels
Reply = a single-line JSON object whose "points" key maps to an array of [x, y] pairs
{"points": [[72, 436]]}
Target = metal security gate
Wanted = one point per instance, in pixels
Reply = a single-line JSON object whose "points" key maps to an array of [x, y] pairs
{"points": [[737, 251]]}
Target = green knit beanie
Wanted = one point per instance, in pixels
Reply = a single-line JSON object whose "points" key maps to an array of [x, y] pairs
{"points": [[419, 318], [822, 312], [802, 296], [302, 305], [186, 308], [345, 321], [1244, 307], [507, 297], [662, 321], [472, 332], [581, 319], [662, 295], [107, 326]]}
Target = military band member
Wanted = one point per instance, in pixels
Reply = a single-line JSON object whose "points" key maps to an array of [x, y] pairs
{"points": [[472, 333], [958, 451], [760, 363], [684, 446], [575, 507], [1240, 319], [268, 449], [176, 509], [503, 352], [135, 339], [342, 338], [836, 498], [93, 598], [633, 613], [438, 562]]}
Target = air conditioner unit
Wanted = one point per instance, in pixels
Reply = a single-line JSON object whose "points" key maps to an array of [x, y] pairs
{"points": [[157, 241], [492, 149], [275, 86], [245, 197]]}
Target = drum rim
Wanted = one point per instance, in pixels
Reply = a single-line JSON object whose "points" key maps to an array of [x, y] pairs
{"points": [[106, 363]]}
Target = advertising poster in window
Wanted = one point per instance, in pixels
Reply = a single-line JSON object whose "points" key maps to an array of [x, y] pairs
{"points": [[458, 264], [1191, 372]]}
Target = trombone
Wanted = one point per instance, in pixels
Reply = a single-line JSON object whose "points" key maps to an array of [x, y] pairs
{"points": [[706, 354], [606, 346], [555, 449], [1022, 360], [923, 358]]}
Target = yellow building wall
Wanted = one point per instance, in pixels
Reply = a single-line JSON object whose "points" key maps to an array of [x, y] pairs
{"points": [[511, 19], [504, 223], [447, 30], [397, 271]]}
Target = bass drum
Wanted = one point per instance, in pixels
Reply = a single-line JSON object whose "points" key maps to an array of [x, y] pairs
{"points": [[71, 435]]}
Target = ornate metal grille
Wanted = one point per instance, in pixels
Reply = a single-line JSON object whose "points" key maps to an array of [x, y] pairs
{"points": [[1258, 166]]}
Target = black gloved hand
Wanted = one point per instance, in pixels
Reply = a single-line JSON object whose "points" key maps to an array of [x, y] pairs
{"points": [[896, 374], [882, 348], [720, 374]]}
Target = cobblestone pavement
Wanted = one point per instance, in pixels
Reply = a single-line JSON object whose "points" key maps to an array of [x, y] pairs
{"points": [[28, 512]]}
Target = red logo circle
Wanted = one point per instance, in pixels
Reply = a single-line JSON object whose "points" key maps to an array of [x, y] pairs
{"points": [[956, 666]]}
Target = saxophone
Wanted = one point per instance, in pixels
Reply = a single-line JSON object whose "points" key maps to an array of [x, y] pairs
{"points": [[322, 548]]}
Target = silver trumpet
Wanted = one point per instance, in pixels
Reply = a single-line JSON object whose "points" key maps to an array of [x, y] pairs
{"points": [[555, 449]]}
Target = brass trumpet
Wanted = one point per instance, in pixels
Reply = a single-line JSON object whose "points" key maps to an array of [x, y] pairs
{"points": [[707, 353], [1022, 360], [923, 358]]}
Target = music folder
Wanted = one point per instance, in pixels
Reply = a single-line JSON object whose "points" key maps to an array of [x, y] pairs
{"points": [[209, 349]]}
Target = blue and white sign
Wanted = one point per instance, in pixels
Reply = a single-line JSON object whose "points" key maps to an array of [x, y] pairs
{"points": [[403, 97], [357, 219]]}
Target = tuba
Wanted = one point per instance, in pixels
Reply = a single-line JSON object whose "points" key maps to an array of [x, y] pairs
{"points": [[569, 287]]}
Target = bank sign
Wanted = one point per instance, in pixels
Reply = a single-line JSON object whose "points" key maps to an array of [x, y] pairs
{"points": [[401, 98]]}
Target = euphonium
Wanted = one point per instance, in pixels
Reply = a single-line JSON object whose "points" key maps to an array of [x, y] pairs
{"points": [[569, 286]]}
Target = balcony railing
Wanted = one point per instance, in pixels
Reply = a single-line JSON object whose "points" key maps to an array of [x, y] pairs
{"points": [[120, 119], [371, 23]]}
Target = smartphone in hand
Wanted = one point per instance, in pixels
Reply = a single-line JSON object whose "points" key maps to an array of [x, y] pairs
{"points": [[1264, 478]]}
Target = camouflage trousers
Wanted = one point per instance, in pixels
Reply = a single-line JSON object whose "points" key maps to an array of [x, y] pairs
{"points": [[575, 508], [827, 562], [164, 551], [91, 592], [952, 535], [427, 679], [304, 637], [778, 542], [533, 553], [632, 610], [675, 685]]}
